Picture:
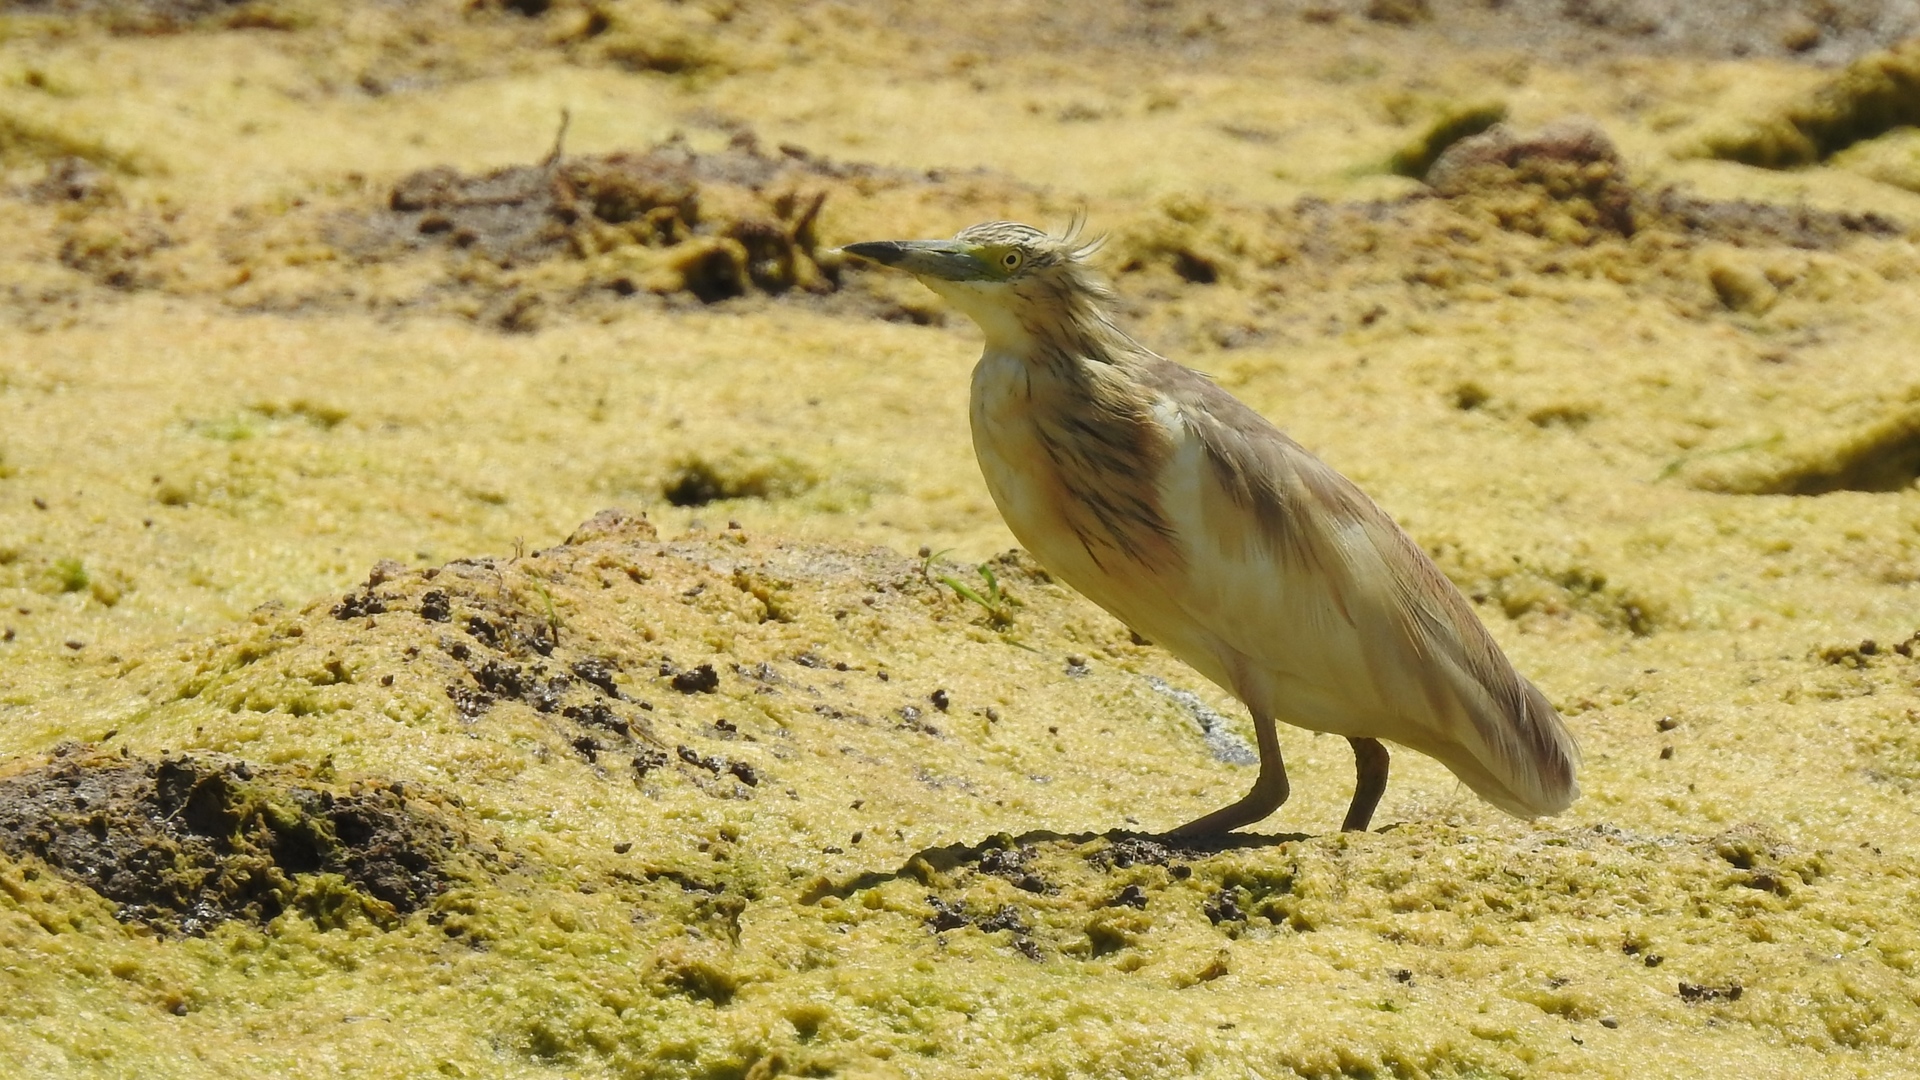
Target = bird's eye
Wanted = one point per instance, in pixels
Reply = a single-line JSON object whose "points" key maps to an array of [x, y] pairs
{"points": [[1011, 260]]}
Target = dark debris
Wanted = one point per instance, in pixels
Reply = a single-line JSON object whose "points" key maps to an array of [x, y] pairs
{"points": [[435, 606], [1134, 851], [700, 680], [1694, 993], [1223, 906], [947, 916], [598, 672], [1012, 864], [359, 606]]}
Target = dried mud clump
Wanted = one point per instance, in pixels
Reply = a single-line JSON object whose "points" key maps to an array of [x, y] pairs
{"points": [[638, 35], [568, 237], [185, 843], [486, 646], [512, 653]]}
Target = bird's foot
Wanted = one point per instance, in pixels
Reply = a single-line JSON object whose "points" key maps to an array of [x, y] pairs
{"points": [[1256, 806], [1269, 791]]}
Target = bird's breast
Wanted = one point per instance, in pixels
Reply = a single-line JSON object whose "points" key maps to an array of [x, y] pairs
{"points": [[1023, 481], [1012, 461], [1131, 566]]}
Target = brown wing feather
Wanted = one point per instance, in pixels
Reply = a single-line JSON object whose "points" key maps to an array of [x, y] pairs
{"points": [[1521, 758]]}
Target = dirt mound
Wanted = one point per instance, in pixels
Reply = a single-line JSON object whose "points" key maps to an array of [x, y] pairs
{"points": [[507, 645], [1568, 179], [185, 843], [713, 225]]}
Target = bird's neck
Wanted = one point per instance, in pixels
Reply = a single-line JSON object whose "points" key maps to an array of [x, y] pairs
{"points": [[1061, 329], [1007, 333]]}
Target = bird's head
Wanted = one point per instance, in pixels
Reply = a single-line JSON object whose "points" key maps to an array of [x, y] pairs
{"points": [[1017, 282]]}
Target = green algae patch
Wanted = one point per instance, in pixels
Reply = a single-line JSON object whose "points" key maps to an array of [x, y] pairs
{"points": [[1892, 158], [1880, 456], [720, 803], [1452, 125], [1870, 97], [733, 784], [24, 141], [697, 480]]}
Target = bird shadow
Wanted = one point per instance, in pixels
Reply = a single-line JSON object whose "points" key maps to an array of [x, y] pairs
{"points": [[928, 863]]}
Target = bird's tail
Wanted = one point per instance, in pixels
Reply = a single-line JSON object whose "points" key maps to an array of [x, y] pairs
{"points": [[1529, 768]]}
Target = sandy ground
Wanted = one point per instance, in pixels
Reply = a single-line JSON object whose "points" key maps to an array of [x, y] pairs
{"points": [[340, 737]]}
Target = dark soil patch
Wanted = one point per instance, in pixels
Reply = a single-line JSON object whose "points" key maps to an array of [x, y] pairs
{"points": [[1570, 169], [582, 693], [1694, 993], [183, 844], [947, 916], [512, 650], [698, 680], [1756, 224]]}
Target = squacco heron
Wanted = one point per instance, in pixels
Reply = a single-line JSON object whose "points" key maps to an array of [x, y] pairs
{"points": [[1188, 516]]}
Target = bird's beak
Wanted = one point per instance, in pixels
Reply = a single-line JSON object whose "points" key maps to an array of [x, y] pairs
{"points": [[947, 260]]}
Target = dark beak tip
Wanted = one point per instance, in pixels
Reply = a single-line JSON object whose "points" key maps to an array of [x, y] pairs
{"points": [[886, 252]]}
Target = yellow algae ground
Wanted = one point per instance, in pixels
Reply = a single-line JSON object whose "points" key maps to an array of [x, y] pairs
{"points": [[341, 734]]}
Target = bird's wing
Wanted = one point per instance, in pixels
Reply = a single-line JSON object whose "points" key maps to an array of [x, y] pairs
{"points": [[1336, 616]]}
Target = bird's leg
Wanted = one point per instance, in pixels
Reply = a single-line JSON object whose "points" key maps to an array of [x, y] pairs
{"points": [[1370, 767], [1269, 790]]}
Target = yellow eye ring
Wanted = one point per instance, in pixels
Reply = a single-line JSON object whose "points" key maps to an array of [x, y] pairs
{"points": [[1010, 261]]}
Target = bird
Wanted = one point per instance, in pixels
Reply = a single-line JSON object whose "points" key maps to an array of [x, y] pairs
{"points": [[1195, 521]]}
